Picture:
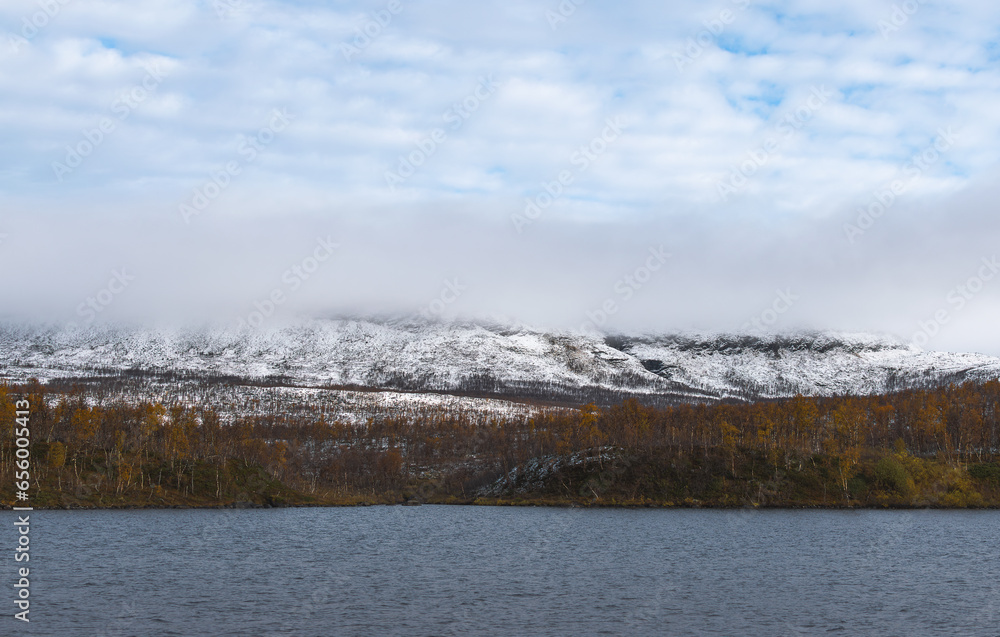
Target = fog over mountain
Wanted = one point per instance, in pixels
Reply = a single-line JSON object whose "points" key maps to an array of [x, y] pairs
{"points": [[745, 167], [739, 275]]}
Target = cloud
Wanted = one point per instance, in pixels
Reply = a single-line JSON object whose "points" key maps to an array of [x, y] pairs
{"points": [[728, 158]]}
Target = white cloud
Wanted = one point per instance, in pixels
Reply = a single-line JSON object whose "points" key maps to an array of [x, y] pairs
{"points": [[688, 129]]}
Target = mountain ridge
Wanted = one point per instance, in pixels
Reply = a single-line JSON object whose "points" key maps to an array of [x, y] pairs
{"points": [[493, 358]]}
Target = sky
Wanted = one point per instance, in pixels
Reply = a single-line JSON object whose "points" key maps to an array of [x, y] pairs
{"points": [[637, 166]]}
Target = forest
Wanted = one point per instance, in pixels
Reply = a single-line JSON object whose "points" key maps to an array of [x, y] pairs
{"points": [[912, 448]]}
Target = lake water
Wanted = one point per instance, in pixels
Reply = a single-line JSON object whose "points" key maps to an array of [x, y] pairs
{"points": [[436, 570]]}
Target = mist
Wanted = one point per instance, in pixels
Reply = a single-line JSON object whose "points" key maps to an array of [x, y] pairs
{"points": [[675, 271], [609, 170]]}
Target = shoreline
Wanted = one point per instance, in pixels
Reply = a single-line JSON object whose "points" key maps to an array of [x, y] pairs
{"points": [[530, 504]]}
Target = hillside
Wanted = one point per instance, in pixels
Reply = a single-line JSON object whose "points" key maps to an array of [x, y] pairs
{"points": [[493, 360]]}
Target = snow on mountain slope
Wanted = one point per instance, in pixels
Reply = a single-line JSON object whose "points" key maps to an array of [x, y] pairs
{"points": [[495, 359], [809, 364]]}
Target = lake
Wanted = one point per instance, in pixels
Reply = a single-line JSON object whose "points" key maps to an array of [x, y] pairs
{"points": [[436, 570]]}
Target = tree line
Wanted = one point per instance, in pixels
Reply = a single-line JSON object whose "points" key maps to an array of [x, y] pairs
{"points": [[139, 449]]}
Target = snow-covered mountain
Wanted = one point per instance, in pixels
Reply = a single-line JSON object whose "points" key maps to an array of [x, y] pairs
{"points": [[497, 360]]}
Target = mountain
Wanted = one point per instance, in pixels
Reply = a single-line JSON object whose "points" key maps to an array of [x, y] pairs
{"points": [[491, 360]]}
